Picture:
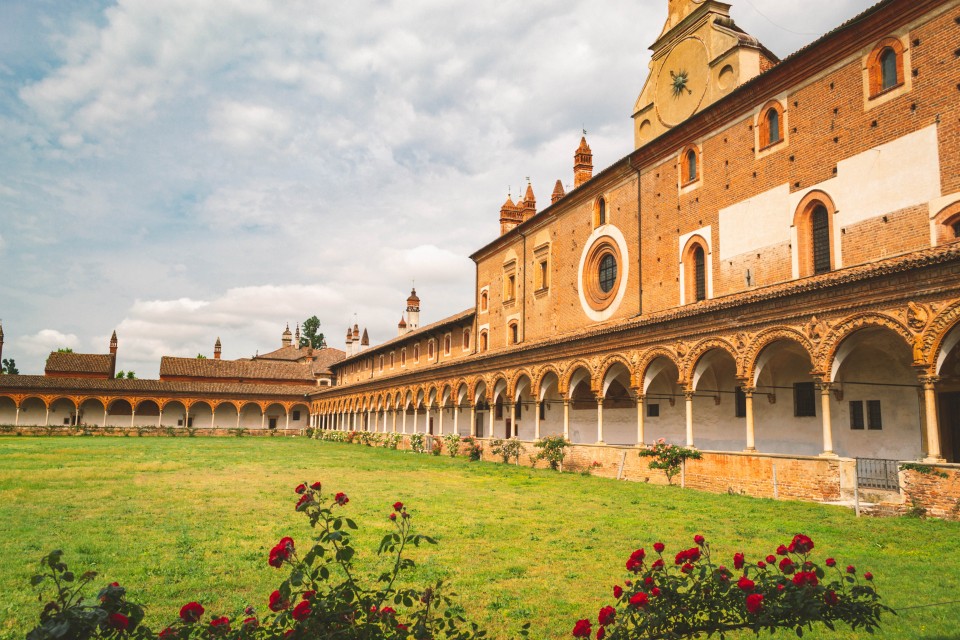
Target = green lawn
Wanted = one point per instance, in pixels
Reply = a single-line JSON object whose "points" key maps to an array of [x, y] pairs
{"points": [[176, 519]]}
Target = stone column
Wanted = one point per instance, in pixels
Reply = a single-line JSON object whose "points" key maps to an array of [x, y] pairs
{"points": [[415, 413], [599, 419], [688, 395], [536, 420], [263, 418], [394, 412], [46, 421], [287, 424], [933, 424], [508, 410], [133, 414], [473, 420], [827, 424], [640, 427], [492, 414], [748, 394], [404, 425], [566, 418], [456, 418], [440, 420], [16, 418]]}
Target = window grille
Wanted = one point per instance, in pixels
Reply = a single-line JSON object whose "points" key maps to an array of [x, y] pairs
{"points": [[700, 272], [888, 69], [804, 400], [607, 273], [821, 239]]}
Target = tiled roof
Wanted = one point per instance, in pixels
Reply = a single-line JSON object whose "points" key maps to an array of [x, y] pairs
{"points": [[289, 354], [59, 362], [326, 358], [455, 318], [46, 385], [238, 369]]}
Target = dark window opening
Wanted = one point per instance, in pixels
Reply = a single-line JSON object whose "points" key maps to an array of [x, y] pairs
{"points": [[773, 126], [602, 213], [608, 273], [296, 415], [517, 410], [804, 400], [740, 403], [653, 410], [956, 229], [856, 414], [691, 165], [498, 412], [888, 69], [700, 273], [273, 423], [874, 421], [514, 335], [821, 239], [543, 410]]}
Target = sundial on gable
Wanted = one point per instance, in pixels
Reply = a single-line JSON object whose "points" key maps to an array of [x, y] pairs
{"points": [[700, 56]]}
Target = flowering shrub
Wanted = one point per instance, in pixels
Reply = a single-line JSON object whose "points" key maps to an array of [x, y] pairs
{"points": [[691, 596], [351, 437], [369, 438], [436, 446], [452, 442], [507, 449], [668, 457], [418, 443], [552, 449], [321, 597], [392, 440], [474, 448]]}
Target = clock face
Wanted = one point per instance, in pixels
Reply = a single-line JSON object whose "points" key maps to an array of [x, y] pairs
{"points": [[682, 82]]}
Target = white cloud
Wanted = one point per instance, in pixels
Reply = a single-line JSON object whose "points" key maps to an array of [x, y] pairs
{"points": [[47, 340]]}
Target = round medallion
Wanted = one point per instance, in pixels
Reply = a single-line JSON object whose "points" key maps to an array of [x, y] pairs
{"points": [[682, 82]]}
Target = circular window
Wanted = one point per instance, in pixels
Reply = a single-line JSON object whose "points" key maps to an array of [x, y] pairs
{"points": [[608, 272], [601, 273]]}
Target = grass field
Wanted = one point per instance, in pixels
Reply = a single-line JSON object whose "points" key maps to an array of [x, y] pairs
{"points": [[175, 519]]}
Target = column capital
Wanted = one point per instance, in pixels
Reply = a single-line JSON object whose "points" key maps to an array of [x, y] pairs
{"points": [[689, 393], [748, 391], [928, 380]]}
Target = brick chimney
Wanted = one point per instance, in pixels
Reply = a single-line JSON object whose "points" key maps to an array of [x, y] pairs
{"points": [[582, 163]]}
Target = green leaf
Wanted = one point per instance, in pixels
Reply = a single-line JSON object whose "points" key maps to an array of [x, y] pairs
{"points": [[351, 523], [37, 579]]}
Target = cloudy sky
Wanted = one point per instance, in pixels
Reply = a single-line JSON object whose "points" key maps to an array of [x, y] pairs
{"points": [[180, 170]]}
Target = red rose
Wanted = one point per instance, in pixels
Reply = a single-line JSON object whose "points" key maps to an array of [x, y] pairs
{"points": [[830, 562], [746, 584], [802, 544], [617, 591], [782, 550], [738, 561], [780, 587], [341, 499], [655, 592], [167, 633], [629, 583], [392, 516], [281, 552], [582, 629], [607, 614], [397, 506], [786, 565], [771, 559], [289, 632], [309, 594], [657, 564], [277, 603], [300, 488], [387, 611], [754, 603], [761, 564], [648, 581], [222, 621], [251, 622], [687, 568], [401, 627], [635, 562], [191, 612], [868, 576], [118, 621], [304, 499], [698, 539], [301, 611], [830, 597], [601, 633], [804, 578], [316, 486], [114, 584], [659, 547], [851, 569], [639, 600]]}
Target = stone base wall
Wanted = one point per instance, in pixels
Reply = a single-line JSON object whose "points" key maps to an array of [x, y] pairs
{"points": [[939, 495]]}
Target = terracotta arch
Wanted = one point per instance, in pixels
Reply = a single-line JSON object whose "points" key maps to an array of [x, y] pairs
{"points": [[537, 382], [934, 338], [571, 369], [650, 357], [610, 360], [803, 223], [763, 340], [515, 378], [699, 350], [827, 352], [945, 224]]}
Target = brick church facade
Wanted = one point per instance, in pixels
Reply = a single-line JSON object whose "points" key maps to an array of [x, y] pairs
{"points": [[774, 271]]}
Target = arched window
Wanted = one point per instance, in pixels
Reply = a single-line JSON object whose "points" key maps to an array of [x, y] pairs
{"points": [[466, 339], [430, 350], [483, 301], [416, 353], [700, 273], [773, 125], [393, 359], [403, 357], [820, 227], [381, 363], [483, 341], [601, 212], [888, 69], [514, 333], [885, 66], [691, 165], [446, 344]]}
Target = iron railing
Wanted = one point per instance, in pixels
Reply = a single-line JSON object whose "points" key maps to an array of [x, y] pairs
{"points": [[877, 473]]}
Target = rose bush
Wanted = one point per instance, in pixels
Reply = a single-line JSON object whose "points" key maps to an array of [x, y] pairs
{"points": [[668, 457], [690, 595], [320, 597]]}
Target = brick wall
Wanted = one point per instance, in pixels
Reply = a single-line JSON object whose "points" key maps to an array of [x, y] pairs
{"points": [[939, 496]]}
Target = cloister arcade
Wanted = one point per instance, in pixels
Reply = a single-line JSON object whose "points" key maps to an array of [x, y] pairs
{"points": [[131, 411], [869, 385]]}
